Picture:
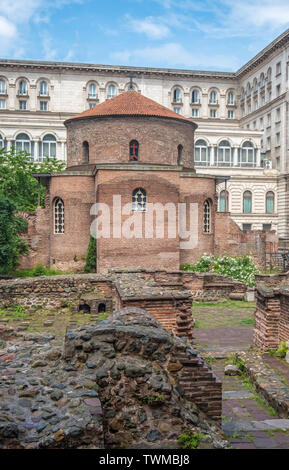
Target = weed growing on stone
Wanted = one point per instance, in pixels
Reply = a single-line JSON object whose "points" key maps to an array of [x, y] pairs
{"points": [[191, 440]]}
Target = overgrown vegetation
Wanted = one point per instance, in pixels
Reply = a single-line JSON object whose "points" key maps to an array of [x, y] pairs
{"points": [[240, 268], [90, 264], [281, 351], [191, 440], [38, 270]]}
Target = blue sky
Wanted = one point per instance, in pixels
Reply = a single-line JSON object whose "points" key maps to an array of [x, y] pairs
{"points": [[193, 34]]}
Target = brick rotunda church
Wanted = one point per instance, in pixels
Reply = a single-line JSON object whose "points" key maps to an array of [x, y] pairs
{"points": [[130, 147]]}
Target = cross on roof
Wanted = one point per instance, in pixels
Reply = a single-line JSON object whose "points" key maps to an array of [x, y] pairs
{"points": [[131, 76]]}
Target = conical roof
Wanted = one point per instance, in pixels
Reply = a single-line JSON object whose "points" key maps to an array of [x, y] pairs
{"points": [[130, 103]]}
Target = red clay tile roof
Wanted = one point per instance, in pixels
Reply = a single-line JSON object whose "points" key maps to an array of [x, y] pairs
{"points": [[130, 103]]}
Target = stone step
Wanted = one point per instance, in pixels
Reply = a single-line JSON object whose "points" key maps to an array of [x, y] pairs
{"points": [[266, 425]]}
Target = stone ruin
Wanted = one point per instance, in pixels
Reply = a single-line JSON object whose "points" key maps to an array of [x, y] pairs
{"points": [[125, 382]]}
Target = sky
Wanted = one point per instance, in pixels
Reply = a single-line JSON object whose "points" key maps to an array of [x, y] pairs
{"points": [[192, 34]]}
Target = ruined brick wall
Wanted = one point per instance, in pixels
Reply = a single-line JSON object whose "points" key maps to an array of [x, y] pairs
{"points": [[284, 317], [37, 236], [109, 139]]}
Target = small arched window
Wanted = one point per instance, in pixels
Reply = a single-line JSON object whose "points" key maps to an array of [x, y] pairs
{"points": [[111, 92], [139, 199], [195, 96], [224, 154], [207, 216], [247, 202], [201, 153], [92, 90], [177, 95], [270, 202], [43, 89], [58, 215], [231, 98], [213, 97], [133, 150], [269, 74], [180, 154], [48, 146], [248, 154], [224, 201], [2, 87], [85, 151], [22, 87], [23, 143]]}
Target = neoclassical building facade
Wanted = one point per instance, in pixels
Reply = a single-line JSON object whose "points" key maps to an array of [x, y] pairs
{"points": [[242, 118]]}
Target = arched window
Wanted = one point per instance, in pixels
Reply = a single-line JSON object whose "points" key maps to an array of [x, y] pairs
{"points": [[2, 87], [248, 89], [213, 97], [48, 147], [195, 96], [58, 215], [270, 202], [247, 202], [22, 90], [101, 308], [224, 201], [180, 154], [207, 216], [177, 95], [201, 153], [111, 92], [262, 79], [269, 74], [23, 143], [224, 154], [247, 154], [231, 98], [43, 89], [255, 84], [133, 150], [139, 199], [1, 142], [92, 90], [85, 151]]}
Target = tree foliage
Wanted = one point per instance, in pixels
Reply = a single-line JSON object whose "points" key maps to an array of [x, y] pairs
{"points": [[90, 265], [11, 244], [16, 181]]}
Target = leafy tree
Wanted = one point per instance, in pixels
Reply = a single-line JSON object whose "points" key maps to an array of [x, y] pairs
{"points": [[90, 265], [16, 181], [11, 244]]}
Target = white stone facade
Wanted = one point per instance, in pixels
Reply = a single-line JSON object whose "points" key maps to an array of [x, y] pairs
{"points": [[240, 116]]}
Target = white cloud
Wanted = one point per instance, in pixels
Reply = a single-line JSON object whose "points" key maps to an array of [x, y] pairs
{"points": [[151, 27], [174, 55], [7, 29], [260, 13]]}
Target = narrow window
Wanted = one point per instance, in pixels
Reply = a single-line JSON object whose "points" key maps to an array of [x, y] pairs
{"points": [[231, 98], [201, 153], [207, 216], [2, 87], [180, 153], [224, 201], [247, 202], [47, 147], [85, 151], [111, 93], [139, 200], [1, 142], [177, 95], [58, 216], [195, 96], [43, 89], [22, 88], [92, 91], [133, 150], [101, 308], [270, 202], [213, 97]]}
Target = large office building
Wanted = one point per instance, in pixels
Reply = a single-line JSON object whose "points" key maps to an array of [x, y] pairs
{"points": [[242, 118]]}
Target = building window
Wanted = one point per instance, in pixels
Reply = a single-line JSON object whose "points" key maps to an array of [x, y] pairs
{"points": [[231, 114], [91, 105], [58, 216], [278, 115], [267, 227], [247, 226], [254, 124], [43, 89], [278, 139], [224, 201], [85, 151], [177, 97], [207, 216], [2, 87], [278, 68], [278, 163], [43, 105], [247, 202], [23, 105], [278, 90], [139, 200], [2, 104], [201, 153], [195, 112], [47, 147], [23, 144], [180, 153], [263, 100], [261, 124], [213, 113], [92, 91], [195, 97], [231, 98], [111, 92], [1, 142], [133, 150], [177, 110], [268, 143], [22, 90], [270, 198], [224, 154], [213, 97], [247, 154]]}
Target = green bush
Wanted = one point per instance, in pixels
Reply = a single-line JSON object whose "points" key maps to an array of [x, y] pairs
{"points": [[240, 268], [38, 270], [90, 264]]}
